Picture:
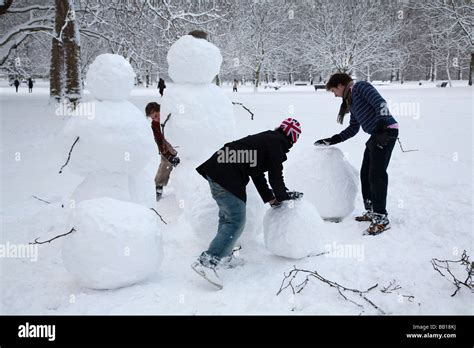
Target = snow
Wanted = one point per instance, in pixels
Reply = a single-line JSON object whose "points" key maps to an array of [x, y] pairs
{"points": [[292, 229], [430, 204], [334, 182], [115, 244], [202, 119], [110, 77], [193, 60], [116, 138]]}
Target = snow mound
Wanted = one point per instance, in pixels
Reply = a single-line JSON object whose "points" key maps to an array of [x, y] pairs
{"points": [[292, 229], [192, 60], [110, 77], [115, 244], [333, 183], [115, 138]]}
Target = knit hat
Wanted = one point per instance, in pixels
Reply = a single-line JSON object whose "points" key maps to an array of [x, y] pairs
{"points": [[291, 128]]}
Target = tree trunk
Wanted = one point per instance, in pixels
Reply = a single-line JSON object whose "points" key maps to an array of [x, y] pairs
{"points": [[257, 78], [447, 70], [72, 50], [471, 69], [57, 53]]}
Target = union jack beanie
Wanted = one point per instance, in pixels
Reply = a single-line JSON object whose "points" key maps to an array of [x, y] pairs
{"points": [[291, 128]]}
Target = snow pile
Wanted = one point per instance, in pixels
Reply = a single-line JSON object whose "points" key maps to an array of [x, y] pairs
{"points": [[193, 60], [292, 229], [333, 183], [115, 244], [110, 77]]}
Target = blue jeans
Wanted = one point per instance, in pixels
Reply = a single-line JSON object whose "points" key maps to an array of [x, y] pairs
{"points": [[231, 221]]}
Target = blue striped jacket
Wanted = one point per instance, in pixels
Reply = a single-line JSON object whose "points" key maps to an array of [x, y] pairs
{"points": [[368, 109]]}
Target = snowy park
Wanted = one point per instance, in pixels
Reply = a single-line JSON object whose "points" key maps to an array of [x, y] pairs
{"points": [[88, 228], [430, 200]]}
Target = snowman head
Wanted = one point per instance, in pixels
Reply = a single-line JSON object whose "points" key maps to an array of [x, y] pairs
{"points": [[193, 60], [110, 77]]}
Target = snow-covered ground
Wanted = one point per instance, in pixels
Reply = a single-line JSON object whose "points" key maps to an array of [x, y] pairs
{"points": [[430, 204]]}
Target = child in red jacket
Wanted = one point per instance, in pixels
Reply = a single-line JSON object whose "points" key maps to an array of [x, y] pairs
{"points": [[169, 160]]}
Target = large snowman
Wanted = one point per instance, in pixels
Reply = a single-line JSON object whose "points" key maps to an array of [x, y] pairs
{"points": [[201, 122], [116, 242]]}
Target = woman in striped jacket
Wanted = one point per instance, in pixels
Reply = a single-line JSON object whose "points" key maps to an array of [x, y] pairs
{"points": [[368, 110]]}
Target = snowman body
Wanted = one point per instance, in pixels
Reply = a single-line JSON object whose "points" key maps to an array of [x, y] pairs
{"points": [[115, 142], [116, 242], [201, 121]]}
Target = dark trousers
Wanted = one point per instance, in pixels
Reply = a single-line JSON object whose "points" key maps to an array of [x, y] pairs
{"points": [[373, 173]]}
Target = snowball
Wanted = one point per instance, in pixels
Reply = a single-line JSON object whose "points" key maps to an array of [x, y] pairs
{"points": [[201, 122], [332, 182], [115, 244], [116, 138], [292, 229], [193, 60], [110, 77]]}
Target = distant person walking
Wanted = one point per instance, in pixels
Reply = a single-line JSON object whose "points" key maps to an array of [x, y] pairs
{"points": [[234, 88], [161, 86], [30, 85], [16, 84]]}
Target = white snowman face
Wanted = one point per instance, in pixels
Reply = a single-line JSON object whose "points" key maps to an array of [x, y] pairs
{"points": [[110, 77], [192, 60]]}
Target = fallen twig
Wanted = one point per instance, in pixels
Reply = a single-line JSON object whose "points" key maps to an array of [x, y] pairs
{"points": [[440, 265], [69, 156], [159, 215], [42, 200], [401, 147], [50, 240], [296, 289], [242, 105]]}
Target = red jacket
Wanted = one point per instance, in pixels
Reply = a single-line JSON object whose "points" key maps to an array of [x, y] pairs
{"points": [[164, 147]]}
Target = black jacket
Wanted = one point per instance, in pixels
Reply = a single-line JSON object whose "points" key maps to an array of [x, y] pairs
{"points": [[268, 151]]}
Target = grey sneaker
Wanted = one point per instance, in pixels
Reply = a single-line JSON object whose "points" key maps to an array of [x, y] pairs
{"points": [[367, 216], [380, 223]]}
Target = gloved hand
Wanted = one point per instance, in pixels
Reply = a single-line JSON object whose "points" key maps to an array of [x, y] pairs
{"points": [[295, 195], [274, 203], [335, 139], [174, 160]]}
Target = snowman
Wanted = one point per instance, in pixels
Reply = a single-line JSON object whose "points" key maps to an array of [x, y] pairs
{"points": [[116, 242], [334, 182], [200, 120]]}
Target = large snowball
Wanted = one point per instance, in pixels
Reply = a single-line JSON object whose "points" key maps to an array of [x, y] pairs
{"points": [[115, 138], [115, 244], [292, 229], [201, 122], [332, 183], [193, 60], [110, 77]]}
